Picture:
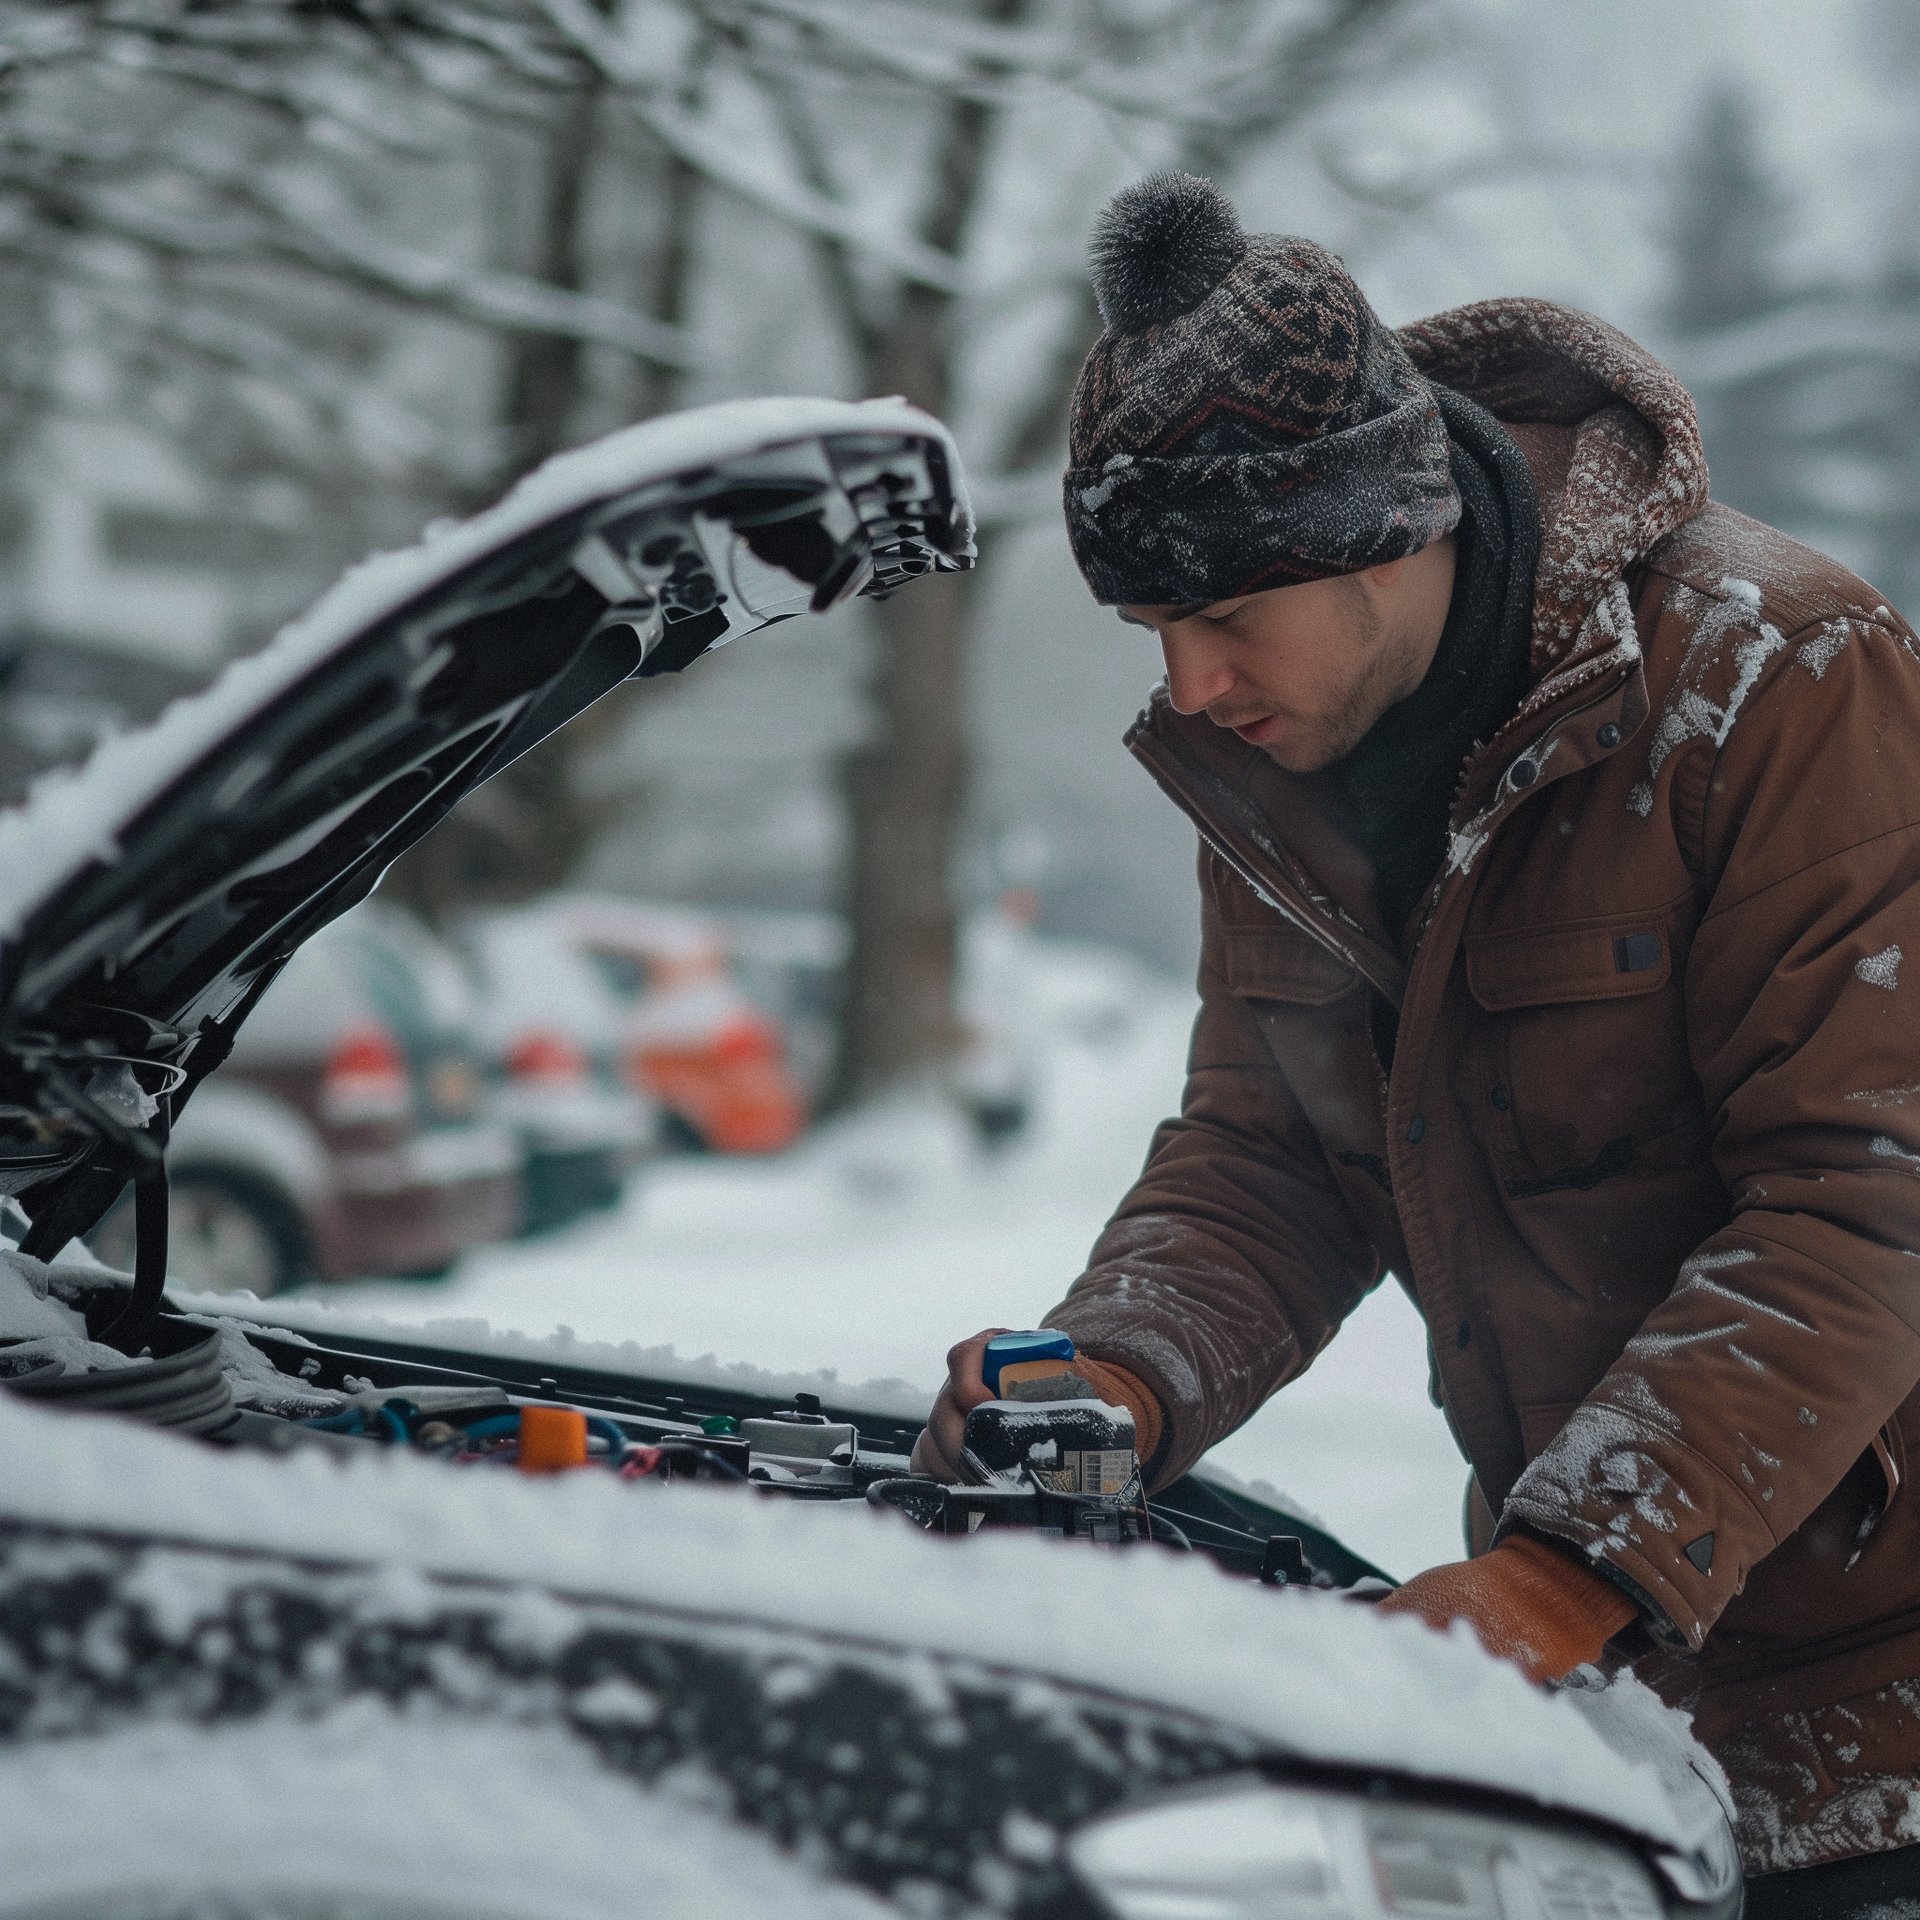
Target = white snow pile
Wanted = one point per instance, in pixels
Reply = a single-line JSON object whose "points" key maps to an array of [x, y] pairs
{"points": [[36, 1327], [1881, 969], [1314, 1675], [373, 1811], [255, 1382], [897, 1399], [73, 816]]}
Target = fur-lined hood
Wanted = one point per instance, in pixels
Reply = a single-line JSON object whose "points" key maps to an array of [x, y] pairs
{"points": [[1628, 443]]}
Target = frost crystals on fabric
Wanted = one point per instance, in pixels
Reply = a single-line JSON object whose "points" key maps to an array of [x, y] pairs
{"points": [[1826, 646], [1880, 969], [1690, 713], [1886, 1096], [1464, 842]]}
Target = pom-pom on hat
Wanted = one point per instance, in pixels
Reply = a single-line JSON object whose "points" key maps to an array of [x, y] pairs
{"points": [[1245, 421], [1160, 247]]}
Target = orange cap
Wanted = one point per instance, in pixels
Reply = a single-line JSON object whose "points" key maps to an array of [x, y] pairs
{"points": [[552, 1438]]}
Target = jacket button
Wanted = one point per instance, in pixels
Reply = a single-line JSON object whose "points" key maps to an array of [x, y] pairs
{"points": [[1609, 735], [1417, 1129], [1502, 1099], [1524, 773]]}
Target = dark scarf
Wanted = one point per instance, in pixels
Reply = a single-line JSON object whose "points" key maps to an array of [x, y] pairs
{"points": [[1399, 782]]}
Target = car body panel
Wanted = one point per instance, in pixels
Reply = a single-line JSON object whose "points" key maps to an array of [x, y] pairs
{"points": [[150, 900]]}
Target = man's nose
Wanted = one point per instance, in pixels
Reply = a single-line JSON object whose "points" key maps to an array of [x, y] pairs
{"points": [[1197, 674]]}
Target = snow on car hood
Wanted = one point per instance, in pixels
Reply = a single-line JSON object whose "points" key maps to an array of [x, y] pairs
{"points": [[419, 1814], [74, 815], [1320, 1678]]}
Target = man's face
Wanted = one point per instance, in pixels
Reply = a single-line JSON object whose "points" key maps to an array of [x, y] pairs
{"points": [[1301, 672]]}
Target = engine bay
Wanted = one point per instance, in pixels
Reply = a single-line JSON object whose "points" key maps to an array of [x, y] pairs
{"points": [[1055, 1466]]}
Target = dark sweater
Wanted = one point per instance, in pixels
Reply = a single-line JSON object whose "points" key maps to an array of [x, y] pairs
{"points": [[1400, 781]]}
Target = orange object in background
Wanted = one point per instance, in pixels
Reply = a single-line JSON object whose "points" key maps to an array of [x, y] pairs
{"points": [[552, 1439], [732, 1086], [717, 1064]]}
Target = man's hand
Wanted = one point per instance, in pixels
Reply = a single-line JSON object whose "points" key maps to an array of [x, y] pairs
{"points": [[937, 1452], [1534, 1604]]}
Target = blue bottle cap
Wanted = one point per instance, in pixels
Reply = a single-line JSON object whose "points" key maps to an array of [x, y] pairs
{"points": [[1006, 1349]]}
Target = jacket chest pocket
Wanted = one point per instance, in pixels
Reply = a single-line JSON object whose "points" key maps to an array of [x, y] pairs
{"points": [[1584, 1066]]}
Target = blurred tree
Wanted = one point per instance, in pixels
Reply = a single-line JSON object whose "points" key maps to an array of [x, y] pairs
{"points": [[1727, 232], [393, 250], [1808, 387]]}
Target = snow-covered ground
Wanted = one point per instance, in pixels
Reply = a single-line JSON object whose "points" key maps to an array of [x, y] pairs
{"points": [[880, 1241]]}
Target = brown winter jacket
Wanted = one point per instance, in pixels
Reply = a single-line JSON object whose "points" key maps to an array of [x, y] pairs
{"points": [[1648, 1157]]}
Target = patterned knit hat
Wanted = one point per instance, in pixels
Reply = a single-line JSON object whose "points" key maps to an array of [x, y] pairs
{"points": [[1245, 421]]}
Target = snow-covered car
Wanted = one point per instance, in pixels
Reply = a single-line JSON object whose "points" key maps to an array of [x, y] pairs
{"points": [[551, 1032], [347, 1134], [690, 1038], [384, 1627]]}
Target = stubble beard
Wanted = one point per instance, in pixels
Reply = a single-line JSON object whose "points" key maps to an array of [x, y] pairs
{"points": [[1372, 693]]}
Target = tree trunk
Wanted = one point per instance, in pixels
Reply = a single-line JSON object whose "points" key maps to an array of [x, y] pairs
{"points": [[904, 790], [906, 786]]}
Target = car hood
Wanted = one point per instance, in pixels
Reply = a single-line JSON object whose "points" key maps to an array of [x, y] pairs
{"points": [[1309, 1678], [148, 900]]}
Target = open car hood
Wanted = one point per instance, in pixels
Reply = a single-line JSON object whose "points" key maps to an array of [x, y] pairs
{"points": [[147, 901]]}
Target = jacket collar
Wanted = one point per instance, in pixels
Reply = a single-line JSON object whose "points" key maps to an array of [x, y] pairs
{"points": [[1634, 469], [1615, 446]]}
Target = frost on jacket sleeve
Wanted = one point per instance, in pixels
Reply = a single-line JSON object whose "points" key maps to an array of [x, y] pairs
{"points": [[1234, 1257], [1791, 1336]]}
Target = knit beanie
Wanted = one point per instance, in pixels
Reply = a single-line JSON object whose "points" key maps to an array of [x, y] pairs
{"points": [[1245, 421]]}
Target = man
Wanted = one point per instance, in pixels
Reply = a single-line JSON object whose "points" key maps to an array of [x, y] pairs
{"points": [[1560, 846]]}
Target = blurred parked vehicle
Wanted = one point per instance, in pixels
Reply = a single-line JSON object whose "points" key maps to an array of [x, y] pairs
{"points": [[692, 1039], [347, 1134], [794, 967], [551, 1029]]}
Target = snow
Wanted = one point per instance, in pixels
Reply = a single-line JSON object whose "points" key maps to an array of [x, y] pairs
{"points": [[36, 1328], [1887, 1096], [1826, 646], [850, 1265], [73, 816], [1880, 969], [1464, 843], [1884, 1148], [1690, 714], [375, 1811], [1330, 1679]]}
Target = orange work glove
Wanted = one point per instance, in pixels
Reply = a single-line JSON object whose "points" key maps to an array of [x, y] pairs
{"points": [[1119, 1388], [1529, 1602]]}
